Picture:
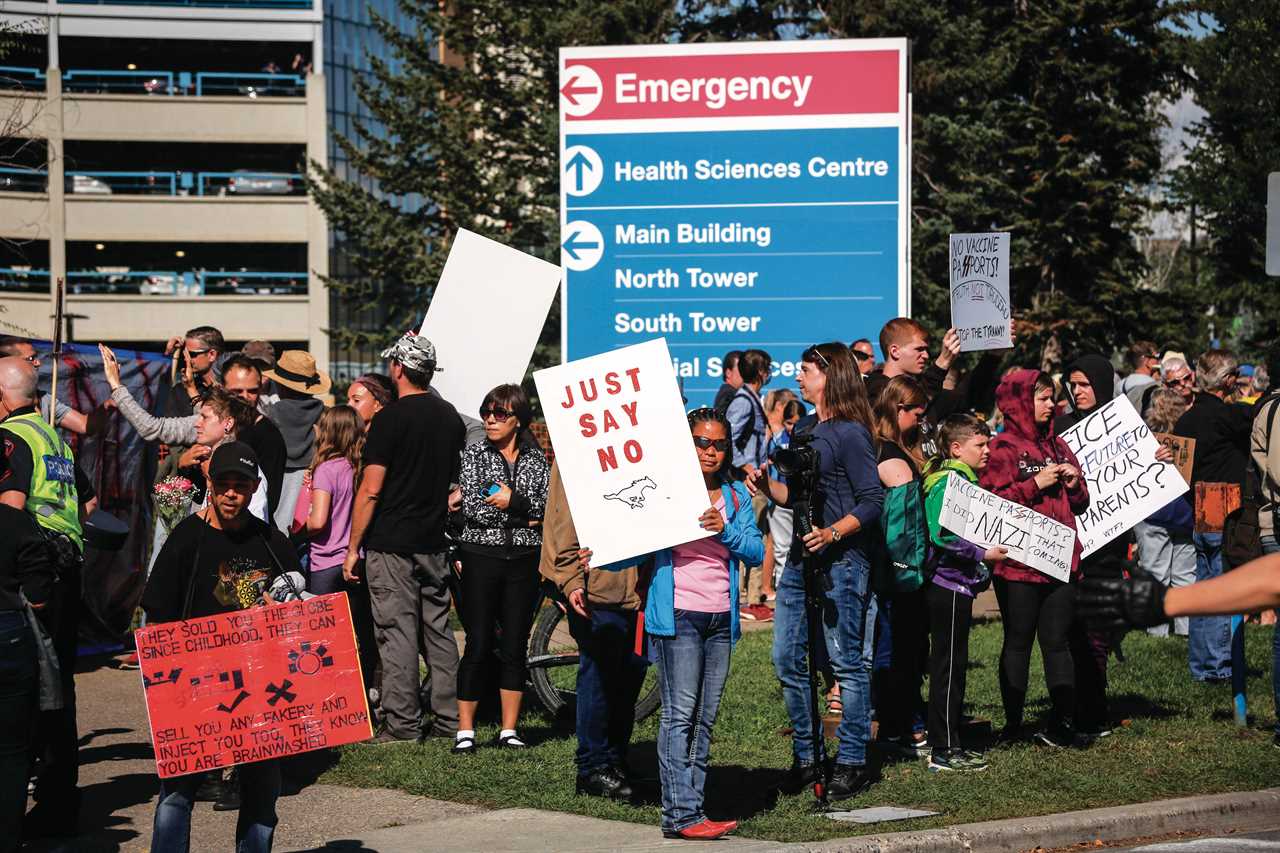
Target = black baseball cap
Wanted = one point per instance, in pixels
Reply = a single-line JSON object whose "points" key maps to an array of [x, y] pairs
{"points": [[235, 458]]}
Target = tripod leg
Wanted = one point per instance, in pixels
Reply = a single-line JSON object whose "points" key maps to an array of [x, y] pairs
{"points": [[813, 625]]}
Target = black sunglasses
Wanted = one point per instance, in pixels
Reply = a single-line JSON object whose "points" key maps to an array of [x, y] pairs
{"points": [[499, 414], [702, 443], [858, 354]]}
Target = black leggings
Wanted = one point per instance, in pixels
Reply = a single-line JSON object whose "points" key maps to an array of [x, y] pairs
{"points": [[898, 697], [496, 592], [1028, 610]]}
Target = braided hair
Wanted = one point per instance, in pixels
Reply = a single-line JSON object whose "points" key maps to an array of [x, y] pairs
{"points": [[706, 414]]}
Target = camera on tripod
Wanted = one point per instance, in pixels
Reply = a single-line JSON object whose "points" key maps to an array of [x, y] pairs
{"points": [[799, 464]]}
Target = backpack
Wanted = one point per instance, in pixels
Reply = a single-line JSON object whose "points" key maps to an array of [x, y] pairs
{"points": [[741, 439], [899, 562], [1241, 532]]}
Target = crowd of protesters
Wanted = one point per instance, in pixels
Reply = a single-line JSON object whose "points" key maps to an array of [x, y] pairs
{"points": [[413, 508]]}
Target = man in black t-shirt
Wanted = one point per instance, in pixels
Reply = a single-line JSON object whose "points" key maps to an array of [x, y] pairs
{"points": [[195, 575], [411, 458]]}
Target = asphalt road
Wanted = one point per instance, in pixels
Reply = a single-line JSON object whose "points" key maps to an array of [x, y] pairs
{"points": [[1251, 842]]}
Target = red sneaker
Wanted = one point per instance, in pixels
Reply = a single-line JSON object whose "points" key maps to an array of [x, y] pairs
{"points": [[130, 661], [708, 830]]}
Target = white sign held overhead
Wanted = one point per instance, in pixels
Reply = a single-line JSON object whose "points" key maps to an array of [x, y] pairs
{"points": [[1117, 455], [980, 291], [987, 519], [621, 437], [476, 356]]}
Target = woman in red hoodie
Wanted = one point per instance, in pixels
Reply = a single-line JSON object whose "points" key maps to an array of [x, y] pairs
{"points": [[1032, 466]]}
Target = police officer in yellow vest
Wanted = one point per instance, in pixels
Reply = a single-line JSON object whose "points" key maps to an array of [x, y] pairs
{"points": [[39, 475]]}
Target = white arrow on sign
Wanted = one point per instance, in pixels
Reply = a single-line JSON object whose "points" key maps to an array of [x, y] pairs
{"points": [[583, 246], [580, 90], [583, 170]]}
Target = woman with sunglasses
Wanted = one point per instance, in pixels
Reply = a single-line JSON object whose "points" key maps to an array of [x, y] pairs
{"points": [[504, 482], [847, 508], [691, 617]]}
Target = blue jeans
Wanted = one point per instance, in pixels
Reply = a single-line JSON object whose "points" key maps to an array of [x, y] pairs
{"points": [[1209, 640], [259, 789], [845, 626], [19, 686], [692, 669], [610, 675], [1271, 546]]}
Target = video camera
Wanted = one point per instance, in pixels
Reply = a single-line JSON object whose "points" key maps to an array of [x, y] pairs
{"points": [[799, 464]]}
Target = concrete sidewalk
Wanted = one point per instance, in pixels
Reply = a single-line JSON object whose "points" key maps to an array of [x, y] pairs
{"points": [[118, 778], [119, 783]]}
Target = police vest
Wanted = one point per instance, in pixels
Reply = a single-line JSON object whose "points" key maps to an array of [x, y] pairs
{"points": [[51, 494]]}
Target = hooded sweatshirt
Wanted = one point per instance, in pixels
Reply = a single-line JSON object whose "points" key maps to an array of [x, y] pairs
{"points": [[1112, 557], [1021, 452], [958, 565], [295, 417]]}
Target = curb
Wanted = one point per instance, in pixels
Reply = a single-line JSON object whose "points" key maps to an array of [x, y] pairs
{"points": [[1245, 811]]}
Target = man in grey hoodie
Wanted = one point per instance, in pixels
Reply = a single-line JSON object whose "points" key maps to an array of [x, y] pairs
{"points": [[301, 384]]}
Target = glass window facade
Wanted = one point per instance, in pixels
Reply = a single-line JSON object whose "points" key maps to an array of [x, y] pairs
{"points": [[350, 39]]}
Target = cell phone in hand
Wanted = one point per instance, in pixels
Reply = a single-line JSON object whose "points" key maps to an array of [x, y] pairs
{"points": [[491, 488]]}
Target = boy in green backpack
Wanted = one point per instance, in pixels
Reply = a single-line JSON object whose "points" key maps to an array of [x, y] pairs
{"points": [[960, 573]]}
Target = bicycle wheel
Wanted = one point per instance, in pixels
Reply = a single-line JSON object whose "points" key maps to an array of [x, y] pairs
{"points": [[553, 665], [553, 659]]}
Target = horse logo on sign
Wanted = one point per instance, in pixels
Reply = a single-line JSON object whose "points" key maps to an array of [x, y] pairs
{"points": [[633, 495]]}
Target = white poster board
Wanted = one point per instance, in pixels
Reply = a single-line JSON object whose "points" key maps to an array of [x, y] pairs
{"points": [[1117, 455], [622, 441], [980, 291], [987, 519], [485, 317]]}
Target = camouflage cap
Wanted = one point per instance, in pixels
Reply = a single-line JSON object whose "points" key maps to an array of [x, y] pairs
{"points": [[413, 351]]}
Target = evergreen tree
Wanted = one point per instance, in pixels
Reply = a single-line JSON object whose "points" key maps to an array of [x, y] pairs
{"points": [[1236, 145], [1040, 119], [468, 142]]}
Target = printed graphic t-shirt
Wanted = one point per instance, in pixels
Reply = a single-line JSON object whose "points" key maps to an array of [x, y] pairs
{"points": [[195, 554]]}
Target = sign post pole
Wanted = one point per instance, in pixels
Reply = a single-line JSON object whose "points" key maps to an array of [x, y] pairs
{"points": [[59, 296]]}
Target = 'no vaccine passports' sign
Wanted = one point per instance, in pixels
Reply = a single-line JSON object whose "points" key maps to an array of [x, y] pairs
{"points": [[727, 196]]}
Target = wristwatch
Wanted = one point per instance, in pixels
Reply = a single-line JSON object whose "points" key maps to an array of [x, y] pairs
{"points": [[835, 533]]}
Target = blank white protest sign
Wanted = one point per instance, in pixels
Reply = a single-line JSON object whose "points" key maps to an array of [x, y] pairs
{"points": [[485, 317]]}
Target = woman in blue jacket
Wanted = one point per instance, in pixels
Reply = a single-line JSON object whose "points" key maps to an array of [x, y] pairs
{"points": [[691, 617]]}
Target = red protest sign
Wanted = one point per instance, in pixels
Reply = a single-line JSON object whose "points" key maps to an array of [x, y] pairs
{"points": [[251, 685]]}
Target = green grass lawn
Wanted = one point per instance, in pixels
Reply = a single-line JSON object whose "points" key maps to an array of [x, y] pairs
{"points": [[1181, 741]]}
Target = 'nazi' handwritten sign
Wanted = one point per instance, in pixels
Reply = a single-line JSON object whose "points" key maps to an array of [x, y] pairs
{"points": [[980, 291], [1117, 455], [252, 685], [987, 519]]}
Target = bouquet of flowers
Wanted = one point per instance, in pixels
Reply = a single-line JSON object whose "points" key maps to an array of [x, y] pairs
{"points": [[172, 497]]}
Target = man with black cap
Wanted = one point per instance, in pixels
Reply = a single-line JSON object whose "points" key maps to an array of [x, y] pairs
{"points": [[203, 558], [411, 458]]}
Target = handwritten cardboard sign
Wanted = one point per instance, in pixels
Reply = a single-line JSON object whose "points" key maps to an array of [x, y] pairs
{"points": [[987, 519], [980, 291], [1183, 450], [622, 441], [252, 685], [479, 276], [1117, 455], [1214, 502]]}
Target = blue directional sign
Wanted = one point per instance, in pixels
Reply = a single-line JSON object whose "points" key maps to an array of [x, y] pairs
{"points": [[733, 196]]}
